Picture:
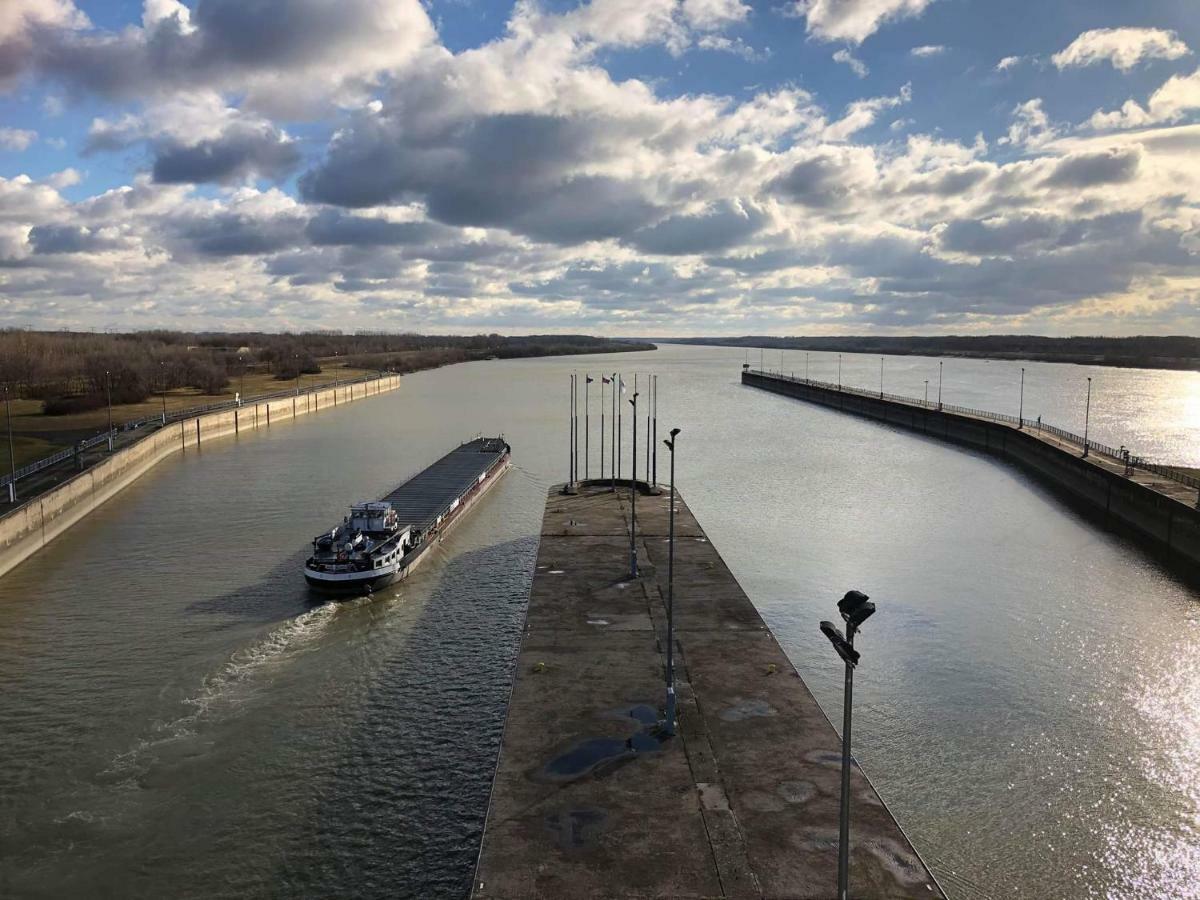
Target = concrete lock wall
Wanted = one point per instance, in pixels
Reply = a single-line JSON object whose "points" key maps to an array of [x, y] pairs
{"points": [[1164, 524], [29, 527]]}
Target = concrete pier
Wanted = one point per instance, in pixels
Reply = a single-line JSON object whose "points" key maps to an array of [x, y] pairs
{"points": [[1162, 513], [591, 800]]}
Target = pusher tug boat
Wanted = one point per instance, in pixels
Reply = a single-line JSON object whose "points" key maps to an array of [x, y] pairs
{"points": [[383, 540]]}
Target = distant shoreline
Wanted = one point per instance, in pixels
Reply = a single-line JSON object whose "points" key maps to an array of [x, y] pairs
{"points": [[1128, 353]]}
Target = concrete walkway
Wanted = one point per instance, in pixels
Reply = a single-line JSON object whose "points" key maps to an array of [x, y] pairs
{"points": [[591, 801]]}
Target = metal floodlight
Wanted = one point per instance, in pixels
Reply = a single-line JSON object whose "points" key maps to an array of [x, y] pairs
{"points": [[840, 644], [855, 608]]}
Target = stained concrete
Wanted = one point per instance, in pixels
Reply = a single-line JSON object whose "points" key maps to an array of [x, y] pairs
{"points": [[590, 800]]}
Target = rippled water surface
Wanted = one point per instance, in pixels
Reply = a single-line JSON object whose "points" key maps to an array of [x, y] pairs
{"points": [[178, 717]]}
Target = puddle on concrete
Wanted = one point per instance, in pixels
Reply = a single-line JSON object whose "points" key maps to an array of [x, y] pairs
{"points": [[555, 572], [594, 753], [796, 791], [597, 621]]}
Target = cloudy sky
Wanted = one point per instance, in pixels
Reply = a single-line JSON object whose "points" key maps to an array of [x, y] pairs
{"points": [[646, 167]]}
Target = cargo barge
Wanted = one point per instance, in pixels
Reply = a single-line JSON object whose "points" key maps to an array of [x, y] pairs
{"points": [[381, 541]]}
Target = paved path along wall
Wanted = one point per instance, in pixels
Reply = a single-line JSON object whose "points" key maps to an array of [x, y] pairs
{"points": [[1159, 512], [590, 800], [28, 528]]}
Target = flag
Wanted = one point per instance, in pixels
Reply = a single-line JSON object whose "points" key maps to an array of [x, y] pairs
{"points": [[606, 379], [590, 379]]}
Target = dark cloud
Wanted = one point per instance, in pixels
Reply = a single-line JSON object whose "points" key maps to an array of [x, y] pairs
{"points": [[820, 183], [509, 171], [235, 234], [242, 151], [70, 239], [1082, 170], [726, 224], [332, 227], [226, 41]]}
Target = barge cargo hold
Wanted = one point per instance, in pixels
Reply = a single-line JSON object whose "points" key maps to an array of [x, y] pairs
{"points": [[380, 542]]}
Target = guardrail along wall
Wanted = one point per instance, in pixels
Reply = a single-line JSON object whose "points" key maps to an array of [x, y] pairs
{"points": [[1165, 524], [28, 528]]}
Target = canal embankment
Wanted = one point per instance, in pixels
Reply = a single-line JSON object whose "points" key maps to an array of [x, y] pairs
{"points": [[590, 799], [1162, 512], [31, 526]]}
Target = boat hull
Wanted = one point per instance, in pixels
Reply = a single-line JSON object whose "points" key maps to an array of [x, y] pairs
{"points": [[347, 585]]}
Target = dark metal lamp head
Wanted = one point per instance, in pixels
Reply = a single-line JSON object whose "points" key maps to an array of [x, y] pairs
{"points": [[840, 644], [855, 608]]}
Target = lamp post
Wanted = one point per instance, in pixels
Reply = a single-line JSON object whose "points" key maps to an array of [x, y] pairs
{"points": [[162, 371], [806, 368], [940, 361], [108, 392], [1087, 412], [12, 456], [587, 429], [570, 436], [669, 725], [839, 371], [242, 381], [633, 569], [296, 357], [1021, 404], [881, 378], [926, 392], [855, 608], [612, 463]]}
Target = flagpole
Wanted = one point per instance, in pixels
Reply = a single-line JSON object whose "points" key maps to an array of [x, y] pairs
{"points": [[602, 427], [649, 401], [620, 420], [612, 462], [654, 407], [575, 422], [587, 431]]}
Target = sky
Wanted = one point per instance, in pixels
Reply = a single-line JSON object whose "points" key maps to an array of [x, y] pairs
{"points": [[624, 167]]}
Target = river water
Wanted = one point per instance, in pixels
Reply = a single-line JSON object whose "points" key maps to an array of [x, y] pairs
{"points": [[178, 717]]}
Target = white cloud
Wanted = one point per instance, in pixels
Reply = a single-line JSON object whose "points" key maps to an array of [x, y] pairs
{"points": [[1007, 63], [16, 138], [862, 114], [857, 66], [1177, 97], [853, 20], [1031, 127], [1123, 47], [927, 50], [707, 15]]}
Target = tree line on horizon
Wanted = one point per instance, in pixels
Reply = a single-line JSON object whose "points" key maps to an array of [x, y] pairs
{"points": [[76, 371], [1147, 351]]}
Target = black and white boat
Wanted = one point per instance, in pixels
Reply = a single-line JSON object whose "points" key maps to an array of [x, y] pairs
{"points": [[381, 541]]}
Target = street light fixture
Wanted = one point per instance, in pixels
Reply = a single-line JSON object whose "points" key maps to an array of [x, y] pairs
{"points": [[1087, 413], [855, 608], [12, 456], [108, 392], [1021, 405], [669, 725]]}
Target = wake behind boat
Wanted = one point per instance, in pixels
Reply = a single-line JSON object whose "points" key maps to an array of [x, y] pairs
{"points": [[382, 541]]}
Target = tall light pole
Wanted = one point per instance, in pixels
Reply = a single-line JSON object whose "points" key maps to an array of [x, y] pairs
{"points": [[296, 357], [620, 426], [570, 435], [1087, 412], [669, 725], [940, 361], [162, 371], [926, 392], [108, 392], [839, 371], [855, 608], [12, 456], [633, 568], [612, 463], [242, 382], [881, 378], [1021, 404], [806, 368], [587, 430]]}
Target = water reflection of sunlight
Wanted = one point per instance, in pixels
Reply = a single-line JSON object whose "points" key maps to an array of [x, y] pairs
{"points": [[1144, 858]]}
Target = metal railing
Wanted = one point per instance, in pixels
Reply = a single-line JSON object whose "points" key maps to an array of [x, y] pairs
{"points": [[162, 420], [1121, 455]]}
